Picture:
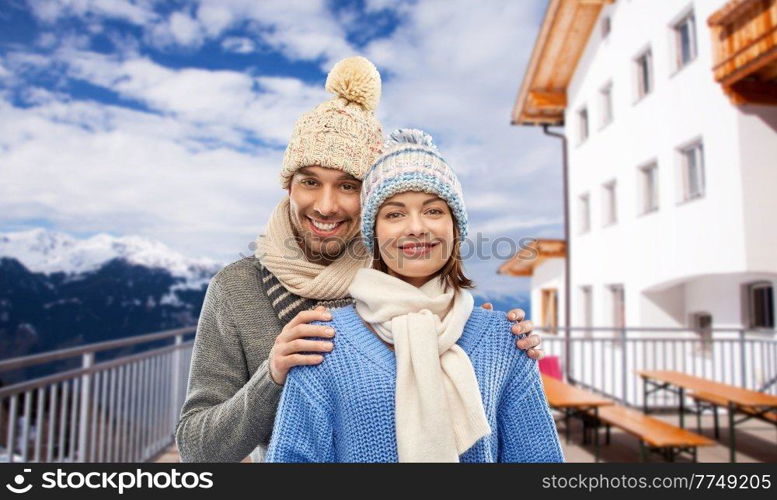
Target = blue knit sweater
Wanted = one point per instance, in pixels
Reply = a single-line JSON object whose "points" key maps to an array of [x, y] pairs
{"points": [[343, 409]]}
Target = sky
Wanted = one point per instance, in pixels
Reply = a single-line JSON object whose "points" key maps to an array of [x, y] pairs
{"points": [[168, 119]]}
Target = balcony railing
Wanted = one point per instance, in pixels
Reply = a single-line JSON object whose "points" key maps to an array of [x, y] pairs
{"points": [[744, 37], [126, 409], [604, 360], [119, 410]]}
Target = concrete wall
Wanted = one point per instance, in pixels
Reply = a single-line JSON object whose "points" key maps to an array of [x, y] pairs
{"points": [[758, 140]]}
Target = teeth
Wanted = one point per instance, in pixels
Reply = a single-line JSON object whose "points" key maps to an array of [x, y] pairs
{"points": [[324, 227]]}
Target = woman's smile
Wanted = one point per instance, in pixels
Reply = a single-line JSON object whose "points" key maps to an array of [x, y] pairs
{"points": [[418, 248]]}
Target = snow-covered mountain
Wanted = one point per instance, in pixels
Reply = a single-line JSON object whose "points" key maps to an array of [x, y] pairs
{"points": [[46, 251]]}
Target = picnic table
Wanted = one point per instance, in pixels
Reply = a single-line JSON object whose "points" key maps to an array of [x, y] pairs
{"points": [[752, 404], [573, 401]]}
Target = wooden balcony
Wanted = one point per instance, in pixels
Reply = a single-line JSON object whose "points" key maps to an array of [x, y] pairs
{"points": [[744, 37]]}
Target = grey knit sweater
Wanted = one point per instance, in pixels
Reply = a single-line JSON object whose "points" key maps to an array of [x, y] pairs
{"points": [[231, 400]]}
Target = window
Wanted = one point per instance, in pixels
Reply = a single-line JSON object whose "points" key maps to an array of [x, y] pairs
{"points": [[692, 171], [606, 98], [644, 73], [606, 26], [584, 213], [760, 297], [685, 41], [550, 309], [609, 204], [582, 118], [586, 308], [618, 300], [648, 189]]}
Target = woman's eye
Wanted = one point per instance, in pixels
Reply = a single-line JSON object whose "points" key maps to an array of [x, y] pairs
{"points": [[393, 215], [435, 211]]}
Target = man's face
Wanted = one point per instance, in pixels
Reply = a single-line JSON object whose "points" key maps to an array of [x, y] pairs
{"points": [[325, 210]]}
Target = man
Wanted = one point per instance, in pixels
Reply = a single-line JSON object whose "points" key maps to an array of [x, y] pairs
{"points": [[255, 322]]}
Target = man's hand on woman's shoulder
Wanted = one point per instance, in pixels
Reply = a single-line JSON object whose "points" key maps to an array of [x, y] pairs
{"points": [[522, 326], [291, 343]]}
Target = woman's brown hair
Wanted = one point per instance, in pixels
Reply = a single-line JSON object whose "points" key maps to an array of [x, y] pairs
{"points": [[451, 274]]}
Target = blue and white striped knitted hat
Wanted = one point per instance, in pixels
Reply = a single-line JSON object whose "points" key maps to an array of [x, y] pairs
{"points": [[410, 162]]}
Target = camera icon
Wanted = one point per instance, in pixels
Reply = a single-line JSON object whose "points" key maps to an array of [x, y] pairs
{"points": [[19, 481]]}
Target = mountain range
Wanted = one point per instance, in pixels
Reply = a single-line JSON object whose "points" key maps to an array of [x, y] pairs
{"points": [[57, 291], [44, 251]]}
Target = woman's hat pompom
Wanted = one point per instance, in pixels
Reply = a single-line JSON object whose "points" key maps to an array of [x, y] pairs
{"points": [[357, 80], [410, 136]]}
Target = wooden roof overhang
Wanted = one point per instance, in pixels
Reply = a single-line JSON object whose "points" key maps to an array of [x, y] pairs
{"points": [[535, 253], [562, 39], [744, 38]]}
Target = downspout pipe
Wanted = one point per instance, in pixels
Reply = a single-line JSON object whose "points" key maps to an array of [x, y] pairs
{"points": [[567, 264]]}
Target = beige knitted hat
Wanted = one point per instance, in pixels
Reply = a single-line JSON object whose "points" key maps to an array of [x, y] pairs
{"points": [[342, 133]]}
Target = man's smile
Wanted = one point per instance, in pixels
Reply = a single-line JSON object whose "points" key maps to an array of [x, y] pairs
{"points": [[325, 229]]}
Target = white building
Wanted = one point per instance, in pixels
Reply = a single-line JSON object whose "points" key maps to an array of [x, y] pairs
{"points": [[672, 167]]}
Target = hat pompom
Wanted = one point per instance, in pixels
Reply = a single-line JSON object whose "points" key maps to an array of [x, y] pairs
{"points": [[410, 136], [357, 80]]}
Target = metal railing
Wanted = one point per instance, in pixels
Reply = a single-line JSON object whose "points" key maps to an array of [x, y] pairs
{"points": [[120, 410], [605, 360], [126, 409]]}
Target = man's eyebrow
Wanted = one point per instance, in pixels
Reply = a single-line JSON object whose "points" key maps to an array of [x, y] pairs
{"points": [[343, 177], [306, 171]]}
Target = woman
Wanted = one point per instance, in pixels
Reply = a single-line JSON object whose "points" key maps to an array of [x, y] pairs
{"points": [[419, 374]]}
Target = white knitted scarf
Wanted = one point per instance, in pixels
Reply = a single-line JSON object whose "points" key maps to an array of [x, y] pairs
{"points": [[279, 251], [439, 410]]}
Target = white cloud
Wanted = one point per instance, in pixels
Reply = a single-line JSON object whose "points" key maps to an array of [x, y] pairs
{"points": [[185, 30], [216, 17], [299, 29], [238, 45], [47, 40], [379, 5], [138, 12], [108, 168], [263, 106], [179, 29]]}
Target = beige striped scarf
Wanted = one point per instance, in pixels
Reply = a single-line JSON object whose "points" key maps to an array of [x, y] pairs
{"points": [[278, 250]]}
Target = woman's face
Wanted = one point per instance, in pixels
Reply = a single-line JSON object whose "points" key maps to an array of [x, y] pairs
{"points": [[415, 235]]}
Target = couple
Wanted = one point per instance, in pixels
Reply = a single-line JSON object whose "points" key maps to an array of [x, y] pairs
{"points": [[389, 390]]}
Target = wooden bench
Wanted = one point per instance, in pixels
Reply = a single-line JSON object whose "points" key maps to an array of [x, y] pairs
{"points": [[653, 434], [751, 404]]}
